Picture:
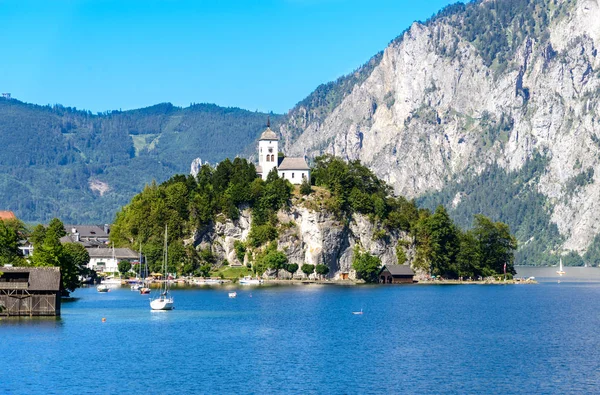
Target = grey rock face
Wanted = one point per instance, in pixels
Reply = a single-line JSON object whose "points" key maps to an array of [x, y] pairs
{"points": [[306, 237]]}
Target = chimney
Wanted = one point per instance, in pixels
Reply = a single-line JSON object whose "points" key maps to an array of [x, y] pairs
{"points": [[106, 228], [73, 230], [76, 235]]}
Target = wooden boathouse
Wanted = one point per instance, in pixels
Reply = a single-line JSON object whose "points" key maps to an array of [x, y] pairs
{"points": [[396, 274], [29, 291]]}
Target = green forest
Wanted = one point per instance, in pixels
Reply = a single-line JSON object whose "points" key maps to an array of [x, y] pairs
{"points": [[184, 204], [512, 197], [51, 154]]}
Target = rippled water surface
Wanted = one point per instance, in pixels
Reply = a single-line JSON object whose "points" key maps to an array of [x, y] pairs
{"points": [[304, 339]]}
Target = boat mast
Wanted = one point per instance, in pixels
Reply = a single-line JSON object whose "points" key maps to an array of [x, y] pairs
{"points": [[165, 256]]}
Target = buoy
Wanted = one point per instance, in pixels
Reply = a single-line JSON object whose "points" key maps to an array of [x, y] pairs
{"points": [[103, 319]]}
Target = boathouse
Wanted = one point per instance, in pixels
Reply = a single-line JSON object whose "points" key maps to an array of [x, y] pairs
{"points": [[396, 274], [30, 291]]}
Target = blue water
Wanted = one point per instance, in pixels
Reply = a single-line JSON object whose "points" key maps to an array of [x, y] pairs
{"points": [[303, 339]]}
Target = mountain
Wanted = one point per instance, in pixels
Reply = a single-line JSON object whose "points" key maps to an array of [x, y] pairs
{"points": [[81, 167], [491, 106]]}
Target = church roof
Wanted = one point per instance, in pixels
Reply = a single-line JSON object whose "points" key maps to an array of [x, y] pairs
{"points": [[293, 164], [268, 134]]}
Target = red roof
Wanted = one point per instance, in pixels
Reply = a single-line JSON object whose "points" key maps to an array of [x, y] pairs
{"points": [[4, 215]]}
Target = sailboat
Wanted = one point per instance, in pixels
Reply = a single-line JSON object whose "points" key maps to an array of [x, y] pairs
{"points": [[138, 280], [560, 270], [164, 301], [145, 289]]}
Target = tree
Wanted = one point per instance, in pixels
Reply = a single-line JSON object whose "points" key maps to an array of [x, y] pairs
{"points": [[468, 260], [75, 258], [291, 268], [443, 243], [52, 253], [9, 246], [496, 244], [124, 267], [275, 260], [308, 269], [322, 270], [57, 227], [367, 266]]}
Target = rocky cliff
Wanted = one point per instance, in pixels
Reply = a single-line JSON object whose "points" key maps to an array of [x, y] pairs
{"points": [[308, 235], [481, 85]]}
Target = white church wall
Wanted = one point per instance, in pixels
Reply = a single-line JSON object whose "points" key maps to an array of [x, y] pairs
{"points": [[294, 176]]}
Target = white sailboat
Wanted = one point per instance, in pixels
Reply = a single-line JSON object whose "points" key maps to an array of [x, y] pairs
{"points": [[560, 270], [164, 301]]}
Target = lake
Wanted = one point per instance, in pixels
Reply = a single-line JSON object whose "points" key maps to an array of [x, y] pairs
{"points": [[429, 339]]}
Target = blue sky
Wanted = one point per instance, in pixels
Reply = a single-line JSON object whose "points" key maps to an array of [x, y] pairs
{"points": [[259, 55]]}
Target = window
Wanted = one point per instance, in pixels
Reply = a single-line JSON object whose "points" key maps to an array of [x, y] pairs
{"points": [[292, 175], [261, 150], [270, 150], [303, 176]]}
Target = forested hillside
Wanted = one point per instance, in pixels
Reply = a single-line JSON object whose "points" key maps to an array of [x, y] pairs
{"points": [[81, 167]]}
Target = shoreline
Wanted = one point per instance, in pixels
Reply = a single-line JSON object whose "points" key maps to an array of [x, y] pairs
{"points": [[297, 282]]}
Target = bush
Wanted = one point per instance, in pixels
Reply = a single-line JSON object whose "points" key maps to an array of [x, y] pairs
{"points": [[305, 188], [124, 267], [240, 250], [262, 234], [367, 266]]}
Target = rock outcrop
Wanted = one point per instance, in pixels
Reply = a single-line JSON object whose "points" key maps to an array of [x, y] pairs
{"points": [[307, 237]]}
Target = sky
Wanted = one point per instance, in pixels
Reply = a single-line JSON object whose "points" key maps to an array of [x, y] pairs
{"points": [[259, 55]]}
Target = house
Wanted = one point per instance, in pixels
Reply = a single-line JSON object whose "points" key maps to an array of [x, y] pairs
{"points": [[30, 291], [88, 235], [107, 259], [7, 215], [295, 170], [396, 274]]}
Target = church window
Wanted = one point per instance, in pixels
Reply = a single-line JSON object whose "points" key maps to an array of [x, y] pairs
{"points": [[303, 176], [272, 158], [292, 175]]}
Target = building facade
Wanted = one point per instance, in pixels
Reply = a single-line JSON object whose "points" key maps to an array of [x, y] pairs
{"points": [[295, 170]]}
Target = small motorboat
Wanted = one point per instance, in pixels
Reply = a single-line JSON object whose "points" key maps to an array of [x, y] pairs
{"points": [[136, 287], [248, 280], [358, 312], [103, 288], [232, 294], [144, 290]]}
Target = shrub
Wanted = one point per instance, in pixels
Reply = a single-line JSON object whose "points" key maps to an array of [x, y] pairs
{"points": [[366, 265]]}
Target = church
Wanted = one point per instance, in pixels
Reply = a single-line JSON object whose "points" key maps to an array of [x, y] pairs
{"points": [[295, 170]]}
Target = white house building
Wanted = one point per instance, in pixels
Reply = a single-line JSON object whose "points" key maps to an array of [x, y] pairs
{"points": [[107, 259], [295, 170]]}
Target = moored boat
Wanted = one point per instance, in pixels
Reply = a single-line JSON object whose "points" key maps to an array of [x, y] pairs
{"points": [[164, 301], [248, 280], [102, 288]]}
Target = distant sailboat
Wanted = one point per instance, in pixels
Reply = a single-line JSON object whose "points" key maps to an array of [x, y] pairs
{"points": [[560, 270], [164, 301]]}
